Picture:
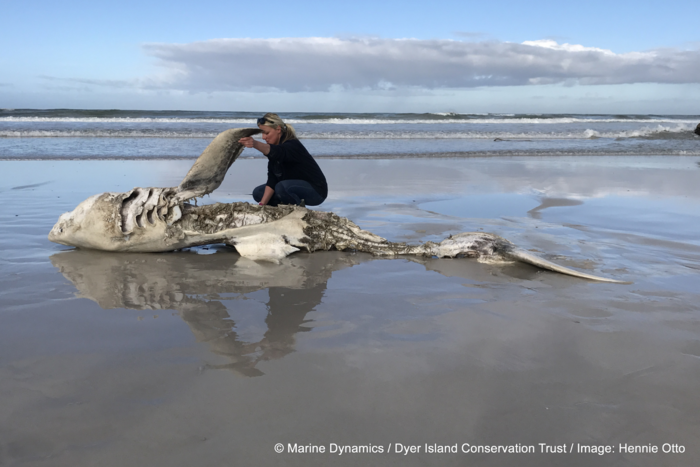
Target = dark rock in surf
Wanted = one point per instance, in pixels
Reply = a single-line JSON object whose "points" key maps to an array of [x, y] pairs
{"points": [[697, 129]]}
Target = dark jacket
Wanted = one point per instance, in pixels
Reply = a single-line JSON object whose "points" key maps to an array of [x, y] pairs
{"points": [[291, 161]]}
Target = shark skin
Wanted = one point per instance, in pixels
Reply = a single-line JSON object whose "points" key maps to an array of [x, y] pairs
{"points": [[149, 220]]}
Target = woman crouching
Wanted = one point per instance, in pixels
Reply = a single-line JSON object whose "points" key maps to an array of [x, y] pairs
{"points": [[293, 176]]}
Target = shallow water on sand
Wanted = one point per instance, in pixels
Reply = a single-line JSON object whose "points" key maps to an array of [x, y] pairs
{"points": [[202, 357]]}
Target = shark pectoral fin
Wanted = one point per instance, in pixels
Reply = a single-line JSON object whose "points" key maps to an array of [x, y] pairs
{"points": [[526, 257], [271, 241], [255, 244], [263, 247]]}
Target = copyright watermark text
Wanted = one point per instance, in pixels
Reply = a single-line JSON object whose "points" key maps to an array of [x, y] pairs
{"points": [[467, 448]]}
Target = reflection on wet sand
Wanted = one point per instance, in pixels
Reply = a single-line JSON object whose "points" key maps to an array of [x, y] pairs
{"points": [[195, 285], [198, 286], [552, 203]]}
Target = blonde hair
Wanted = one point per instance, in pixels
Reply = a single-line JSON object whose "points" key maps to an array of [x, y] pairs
{"points": [[274, 121]]}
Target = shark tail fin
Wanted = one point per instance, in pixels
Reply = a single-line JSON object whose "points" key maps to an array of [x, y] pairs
{"points": [[519, 254]]}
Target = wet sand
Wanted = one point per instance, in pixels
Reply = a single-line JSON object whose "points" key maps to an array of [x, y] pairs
{"points": [[201, 357]]}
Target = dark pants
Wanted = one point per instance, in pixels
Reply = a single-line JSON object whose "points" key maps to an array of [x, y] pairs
{"points": [[291, 192]]}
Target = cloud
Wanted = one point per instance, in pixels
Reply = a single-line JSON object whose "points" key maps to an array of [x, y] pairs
{"points": [[397, 66], [320, 64], [551, 44], [87, 82]]}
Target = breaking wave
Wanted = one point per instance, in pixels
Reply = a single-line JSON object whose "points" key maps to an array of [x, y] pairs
{"points": [[657, 132]]}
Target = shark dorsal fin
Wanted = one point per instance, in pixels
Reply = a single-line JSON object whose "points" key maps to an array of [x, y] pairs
{"points": [[210, 168]]}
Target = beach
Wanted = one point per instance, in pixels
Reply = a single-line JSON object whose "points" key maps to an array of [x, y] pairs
{"points": [[201, 357]]}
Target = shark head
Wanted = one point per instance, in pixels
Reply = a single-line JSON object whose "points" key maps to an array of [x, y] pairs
{"points": [[138, 220], [71, 223], [115, 221]]}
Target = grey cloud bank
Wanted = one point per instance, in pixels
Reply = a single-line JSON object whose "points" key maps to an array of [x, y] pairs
{"points": [[320, 64]]}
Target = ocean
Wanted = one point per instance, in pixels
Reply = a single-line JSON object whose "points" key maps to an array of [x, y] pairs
{"points": [[27, 134]]}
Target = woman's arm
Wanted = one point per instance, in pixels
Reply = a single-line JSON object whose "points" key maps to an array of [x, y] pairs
{"points": [[267, 195], [250, 142], [264, 148]]}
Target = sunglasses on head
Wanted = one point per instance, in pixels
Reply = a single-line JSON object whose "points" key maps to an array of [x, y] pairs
{"points": [[262, 120]]}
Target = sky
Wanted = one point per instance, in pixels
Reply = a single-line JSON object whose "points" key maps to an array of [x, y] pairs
{"points": [[361, 56]]}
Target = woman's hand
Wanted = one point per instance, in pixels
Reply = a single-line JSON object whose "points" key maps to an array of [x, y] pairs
{"points": [[248, 141]]}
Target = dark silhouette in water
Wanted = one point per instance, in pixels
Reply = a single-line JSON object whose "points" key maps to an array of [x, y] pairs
{"points": [[205, 291]]}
